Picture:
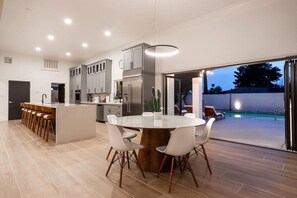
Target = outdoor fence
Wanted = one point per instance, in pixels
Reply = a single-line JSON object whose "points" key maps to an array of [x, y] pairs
{"points": [[247, 102]]}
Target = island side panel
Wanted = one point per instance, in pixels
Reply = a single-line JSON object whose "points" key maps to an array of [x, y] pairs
{"points": [[75, 123]]}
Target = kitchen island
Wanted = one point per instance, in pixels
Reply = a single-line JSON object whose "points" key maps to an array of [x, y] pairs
{"points": [[73, 121]]}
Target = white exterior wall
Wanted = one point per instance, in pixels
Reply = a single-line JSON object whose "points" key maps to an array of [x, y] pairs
{"points": [[28, 68], [249, 102], [219, 101]]}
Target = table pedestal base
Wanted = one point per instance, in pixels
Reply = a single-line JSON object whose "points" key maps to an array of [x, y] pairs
{"points": [[149, 158]]}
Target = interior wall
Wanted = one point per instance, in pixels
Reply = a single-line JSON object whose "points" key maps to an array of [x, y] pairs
{"points": [[253, 31], [257, 30], [28, 68]]}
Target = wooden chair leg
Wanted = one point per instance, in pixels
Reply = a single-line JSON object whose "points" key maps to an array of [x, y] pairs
{"points": [[44, 128], [206, 159], [49, 126], [122, 168], [115, 153], [39, 125], [135, 156], [171, 174], [128, 161], [190, 168], [109, 153], [161, 165]]}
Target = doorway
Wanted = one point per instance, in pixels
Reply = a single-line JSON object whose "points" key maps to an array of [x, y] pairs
{"points": [[250, 97], [58, 93], [18, 91]]}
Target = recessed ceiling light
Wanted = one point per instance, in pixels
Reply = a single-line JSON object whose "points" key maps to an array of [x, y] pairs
{"points": [[67, 21], [50, 37], [38, 49], [107, 33], [85, 45], [68, 54]]}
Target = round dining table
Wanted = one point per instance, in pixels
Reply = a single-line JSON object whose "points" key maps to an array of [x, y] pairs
{"points": [[155, 133]]}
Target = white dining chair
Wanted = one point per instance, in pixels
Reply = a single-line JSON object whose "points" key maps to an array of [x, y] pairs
{"points": [[203, 139], [180, 144], [127, 134], [121, 147]]}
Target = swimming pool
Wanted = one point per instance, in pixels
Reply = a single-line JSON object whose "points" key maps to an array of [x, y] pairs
{"points": [[232, 114]]}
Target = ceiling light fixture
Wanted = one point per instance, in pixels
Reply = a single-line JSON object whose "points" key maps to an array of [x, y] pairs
{"points": [[107, 33], [38, 49], [85, 45], [50, 37], [67, 21], [68, 54], [160, 50]]}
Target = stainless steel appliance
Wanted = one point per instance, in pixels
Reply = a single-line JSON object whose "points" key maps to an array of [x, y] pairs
{"points": [[100, 113], [137, 92], [77, 96], [138, 80]]}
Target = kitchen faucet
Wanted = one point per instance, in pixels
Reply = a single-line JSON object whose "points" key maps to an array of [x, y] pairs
{"points": [[42, 100]]}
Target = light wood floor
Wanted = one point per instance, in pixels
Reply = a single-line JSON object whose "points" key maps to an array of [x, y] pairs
{"points": [[30, 167]]}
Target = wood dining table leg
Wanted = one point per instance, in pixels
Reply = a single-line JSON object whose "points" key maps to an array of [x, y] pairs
{"points": [[149, 158]]}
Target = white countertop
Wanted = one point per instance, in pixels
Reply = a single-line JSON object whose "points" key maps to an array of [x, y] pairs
{"points": [[102, 103], [57, 105]]}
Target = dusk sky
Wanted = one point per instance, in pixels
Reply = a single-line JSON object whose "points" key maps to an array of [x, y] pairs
{"points": [[224, 77]]}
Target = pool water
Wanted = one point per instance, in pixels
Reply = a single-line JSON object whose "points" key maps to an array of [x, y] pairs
{"points": [[253, 115]]}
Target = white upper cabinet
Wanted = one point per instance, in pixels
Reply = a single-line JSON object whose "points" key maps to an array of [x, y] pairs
{"points": [[99, 77], [133, 57]]}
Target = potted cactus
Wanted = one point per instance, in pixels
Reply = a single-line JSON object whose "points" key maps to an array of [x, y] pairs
{"points": [[157, 104]]}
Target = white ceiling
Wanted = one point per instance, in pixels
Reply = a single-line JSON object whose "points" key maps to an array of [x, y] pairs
{"points": [[26, 23]]}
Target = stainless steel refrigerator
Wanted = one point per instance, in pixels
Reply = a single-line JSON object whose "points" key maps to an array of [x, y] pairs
{"points": [[137, 85]]}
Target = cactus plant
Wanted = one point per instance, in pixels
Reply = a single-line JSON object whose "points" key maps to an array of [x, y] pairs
{"points": [[156, 100]]}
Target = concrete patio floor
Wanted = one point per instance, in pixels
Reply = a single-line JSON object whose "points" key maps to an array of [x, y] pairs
{"points": [[255, 131]]}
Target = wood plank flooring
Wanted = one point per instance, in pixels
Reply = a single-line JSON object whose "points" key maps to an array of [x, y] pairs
{"points": [[30, 167]]}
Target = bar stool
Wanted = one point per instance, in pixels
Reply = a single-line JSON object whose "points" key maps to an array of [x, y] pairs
{"points": [[48, 121], [23, 112], [30, 114], [27, 112], [37, 110]]}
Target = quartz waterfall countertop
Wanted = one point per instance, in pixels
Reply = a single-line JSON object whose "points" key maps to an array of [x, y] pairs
{"points": [[57, 105]]}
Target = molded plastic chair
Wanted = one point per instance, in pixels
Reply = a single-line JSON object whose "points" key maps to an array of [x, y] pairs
{"points": [[180, 144], [127, 134], [203, 139], [121, 147]]}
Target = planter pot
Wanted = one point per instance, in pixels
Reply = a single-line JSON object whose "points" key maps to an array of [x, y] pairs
{"points": [[158, 115]]}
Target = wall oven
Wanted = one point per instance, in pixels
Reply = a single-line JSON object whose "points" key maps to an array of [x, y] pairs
{"points": [[77, 96]]}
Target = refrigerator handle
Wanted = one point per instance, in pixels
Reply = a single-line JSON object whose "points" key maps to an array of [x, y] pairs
{"points": [[129, 98]]}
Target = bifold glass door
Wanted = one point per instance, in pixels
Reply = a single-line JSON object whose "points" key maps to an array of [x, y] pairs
{"points": [[173, 96], [290, 97]]}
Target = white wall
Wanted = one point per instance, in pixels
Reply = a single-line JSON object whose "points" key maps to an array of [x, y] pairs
{"points": [[249, 102], [28, 68], [256, 30]]}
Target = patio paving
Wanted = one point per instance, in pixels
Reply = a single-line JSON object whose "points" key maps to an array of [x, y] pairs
{"points": [[255, 131]]}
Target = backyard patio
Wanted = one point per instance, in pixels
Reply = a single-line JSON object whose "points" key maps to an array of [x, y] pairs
{"points": [[255, 131]]}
